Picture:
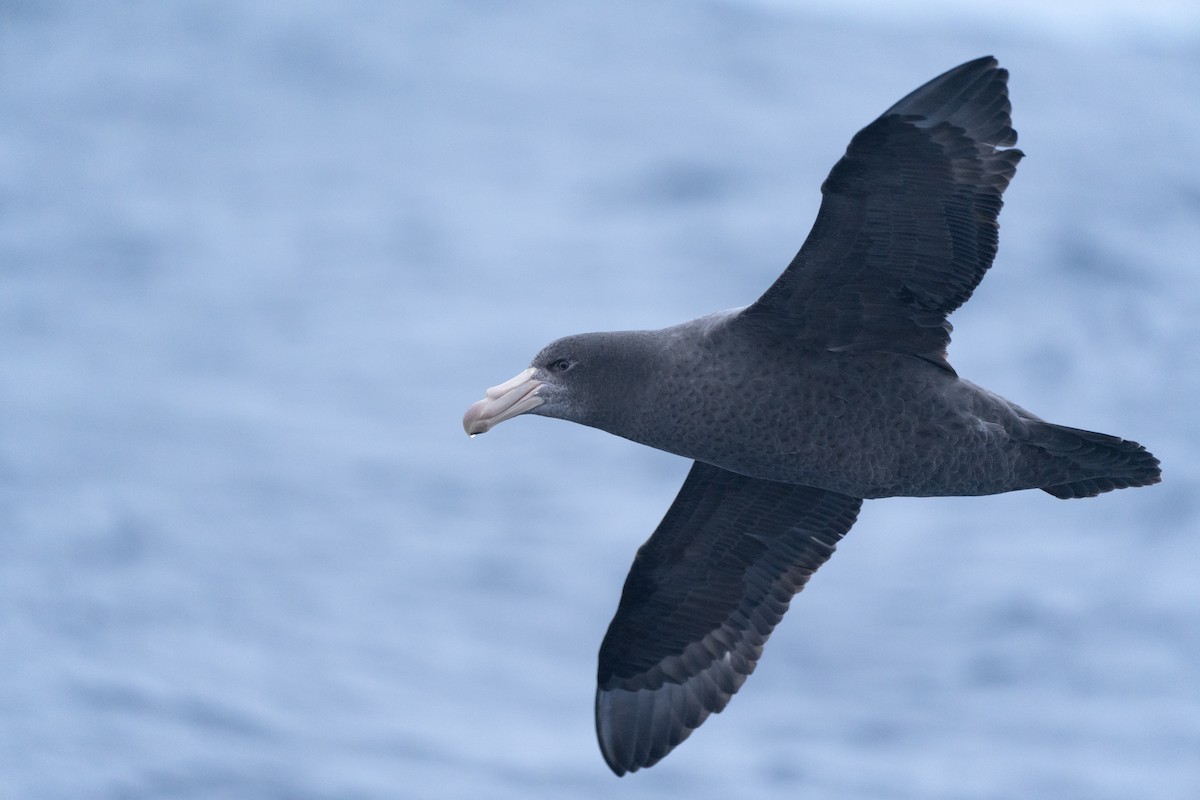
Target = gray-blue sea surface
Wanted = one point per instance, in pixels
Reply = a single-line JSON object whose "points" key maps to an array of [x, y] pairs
{"points": [[256, 259]]}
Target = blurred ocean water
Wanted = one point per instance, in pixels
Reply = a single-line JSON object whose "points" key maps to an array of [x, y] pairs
{"points": [[256, 259]]}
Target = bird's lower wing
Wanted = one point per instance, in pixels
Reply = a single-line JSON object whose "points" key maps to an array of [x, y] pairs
{"points": [[704, 593]]}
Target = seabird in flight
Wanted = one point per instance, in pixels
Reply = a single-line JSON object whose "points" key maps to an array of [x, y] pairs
{"points": [[832, 387]]}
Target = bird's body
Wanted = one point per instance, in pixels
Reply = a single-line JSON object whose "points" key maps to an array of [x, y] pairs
{"points": [[833, 387], [863, 423]]}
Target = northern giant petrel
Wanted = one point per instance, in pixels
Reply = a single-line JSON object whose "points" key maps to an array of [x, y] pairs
{"points": [[832, 387]]}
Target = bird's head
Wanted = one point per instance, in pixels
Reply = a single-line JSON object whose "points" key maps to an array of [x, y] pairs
{"points": [[588, 378]]}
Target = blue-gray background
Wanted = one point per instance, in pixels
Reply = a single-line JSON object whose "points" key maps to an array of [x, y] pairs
{"points": [[257, 258]]}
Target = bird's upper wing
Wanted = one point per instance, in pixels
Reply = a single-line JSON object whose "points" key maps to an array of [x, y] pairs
{"points": [[907, 225], [702, 597]]}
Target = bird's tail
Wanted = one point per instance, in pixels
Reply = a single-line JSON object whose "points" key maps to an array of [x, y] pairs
{"points": [[1096, 462]]}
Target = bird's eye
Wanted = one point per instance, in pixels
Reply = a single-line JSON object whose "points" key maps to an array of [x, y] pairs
{"points": [[561, 365]]}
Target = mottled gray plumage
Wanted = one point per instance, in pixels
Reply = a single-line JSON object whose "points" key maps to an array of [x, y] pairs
{"points": [[832, 387]]}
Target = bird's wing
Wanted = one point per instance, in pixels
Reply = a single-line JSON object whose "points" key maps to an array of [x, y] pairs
{"points": [[702, 597], [907, 225]]}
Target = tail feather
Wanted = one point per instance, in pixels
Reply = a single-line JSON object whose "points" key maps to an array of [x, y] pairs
{"points": [[1102, 462]]}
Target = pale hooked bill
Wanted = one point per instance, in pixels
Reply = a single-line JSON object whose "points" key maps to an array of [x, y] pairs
{"points": [[512, 398]]}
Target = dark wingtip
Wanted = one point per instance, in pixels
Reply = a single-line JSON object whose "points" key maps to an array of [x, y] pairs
{"points": [[972, 96], [618, 764], [631, 728], [616, 768]]}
